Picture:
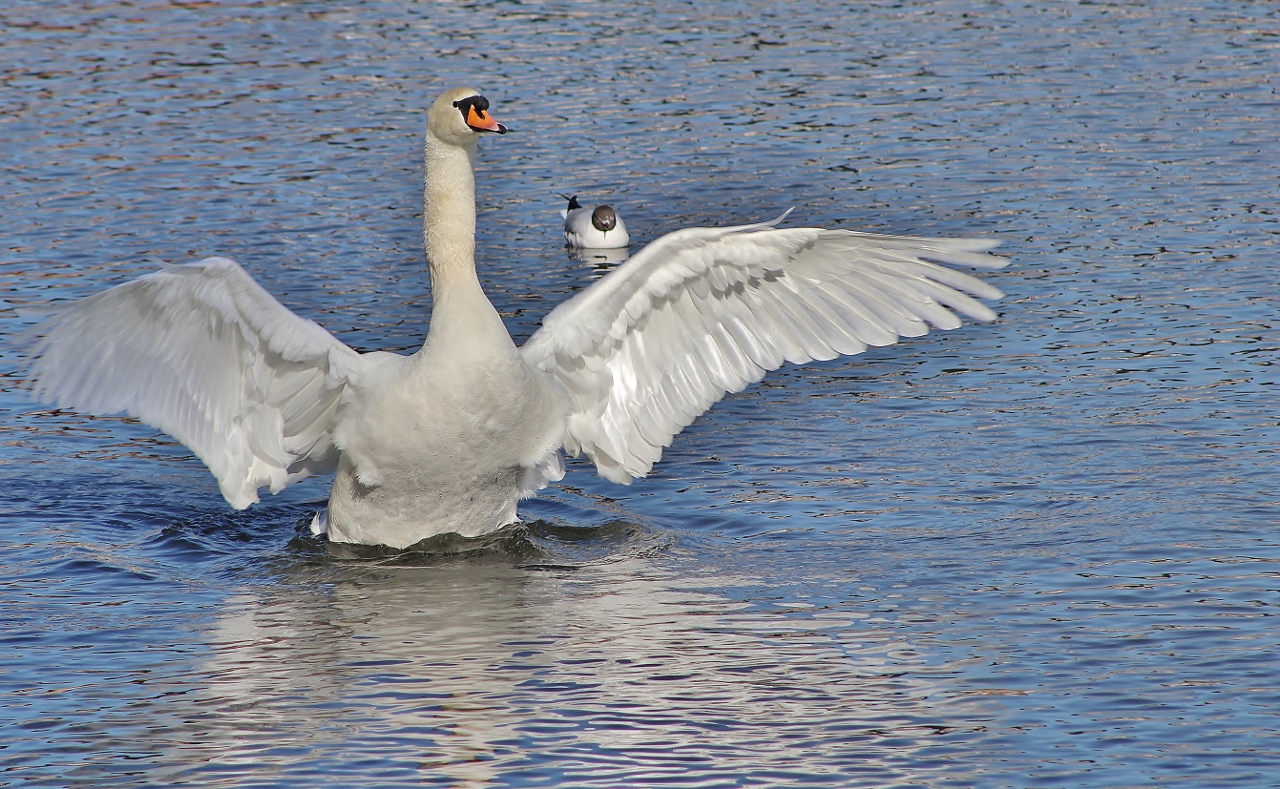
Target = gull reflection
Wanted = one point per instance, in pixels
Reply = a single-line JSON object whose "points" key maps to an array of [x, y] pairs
{"points": [[601, 260]]}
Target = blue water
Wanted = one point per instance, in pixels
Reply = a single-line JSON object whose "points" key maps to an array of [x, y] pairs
{"points": [[1040, 552]]}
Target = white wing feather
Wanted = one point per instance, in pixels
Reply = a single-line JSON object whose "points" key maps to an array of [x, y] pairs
{"points": [[703, 312], [203, 353]]}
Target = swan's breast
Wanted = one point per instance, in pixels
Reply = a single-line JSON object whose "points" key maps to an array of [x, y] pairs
{"points": [[469, 418]]}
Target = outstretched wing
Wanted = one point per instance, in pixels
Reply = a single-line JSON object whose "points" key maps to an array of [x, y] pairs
{"points": [[203, 353], [703, 312]]}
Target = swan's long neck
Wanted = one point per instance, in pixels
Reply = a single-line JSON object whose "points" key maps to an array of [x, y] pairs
{"points": [[449, 211], [464, 324]]}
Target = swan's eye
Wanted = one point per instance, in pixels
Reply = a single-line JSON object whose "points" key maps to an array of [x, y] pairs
{"points": [[477, 103]]}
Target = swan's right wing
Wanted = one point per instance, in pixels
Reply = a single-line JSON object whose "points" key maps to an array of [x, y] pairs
{"points": [[702, 312], [203, 353]]}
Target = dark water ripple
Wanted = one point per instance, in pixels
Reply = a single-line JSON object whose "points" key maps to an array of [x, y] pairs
{"points": [[1036, 553]]}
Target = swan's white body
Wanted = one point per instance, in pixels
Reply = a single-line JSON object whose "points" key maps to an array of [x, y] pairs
{"points": [[594, 226], [450, 438]]}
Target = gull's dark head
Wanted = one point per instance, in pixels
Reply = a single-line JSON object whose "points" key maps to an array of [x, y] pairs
{"points": [[604, 219]]}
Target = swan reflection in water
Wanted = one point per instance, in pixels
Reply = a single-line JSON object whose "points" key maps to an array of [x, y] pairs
{"points": [[624, 663]]}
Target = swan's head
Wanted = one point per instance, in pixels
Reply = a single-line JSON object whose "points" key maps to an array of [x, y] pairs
{"points": [[459, 115]]}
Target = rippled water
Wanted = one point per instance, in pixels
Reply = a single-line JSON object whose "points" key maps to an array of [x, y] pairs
{"points": [[1041, 552]]}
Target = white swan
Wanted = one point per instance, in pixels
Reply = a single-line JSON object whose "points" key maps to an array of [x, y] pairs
{"points": [[450, 438], [593, 227]]}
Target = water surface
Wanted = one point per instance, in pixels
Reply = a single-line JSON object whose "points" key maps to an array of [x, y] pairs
{"points": [[1040, 552]]}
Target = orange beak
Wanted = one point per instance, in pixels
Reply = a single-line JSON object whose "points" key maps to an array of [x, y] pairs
{"points": [[483, 121]]}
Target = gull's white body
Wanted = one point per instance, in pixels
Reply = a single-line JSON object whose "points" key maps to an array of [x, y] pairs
{"points": [[450, 438], [580, 232]]}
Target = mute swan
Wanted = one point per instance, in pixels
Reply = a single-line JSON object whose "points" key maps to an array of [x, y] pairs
{"points": [[593, 227], [450, 438]]}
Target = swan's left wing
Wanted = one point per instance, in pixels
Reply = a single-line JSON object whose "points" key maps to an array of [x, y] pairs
{"points": [[703, 312], [202, 352]]}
